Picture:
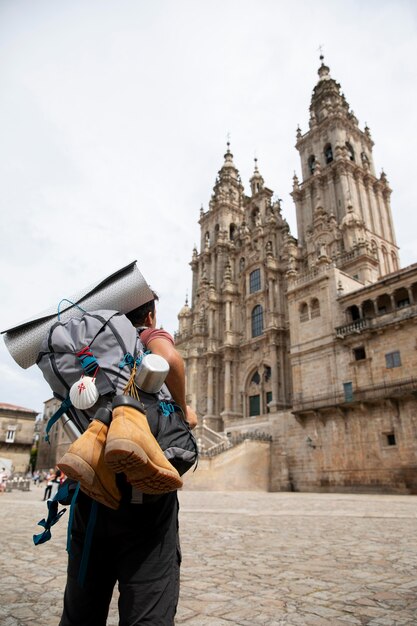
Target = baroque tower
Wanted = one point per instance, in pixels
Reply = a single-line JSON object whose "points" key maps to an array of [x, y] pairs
{"points": [[343, 208], [234, 337]]}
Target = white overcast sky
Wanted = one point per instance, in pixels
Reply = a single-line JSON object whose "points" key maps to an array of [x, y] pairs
{"points": [[114, 116]]}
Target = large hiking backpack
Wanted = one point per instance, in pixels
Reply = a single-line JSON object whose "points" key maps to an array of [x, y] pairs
{"points": [[105, 345]]}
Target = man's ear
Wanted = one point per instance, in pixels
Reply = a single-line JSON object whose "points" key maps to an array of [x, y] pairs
{"points": [[149, 319]]}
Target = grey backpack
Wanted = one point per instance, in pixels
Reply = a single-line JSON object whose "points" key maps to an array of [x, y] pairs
{"points": [[105, 346]]}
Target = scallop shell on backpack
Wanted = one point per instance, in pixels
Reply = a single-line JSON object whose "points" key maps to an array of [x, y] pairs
{"points": [[84, 393]]}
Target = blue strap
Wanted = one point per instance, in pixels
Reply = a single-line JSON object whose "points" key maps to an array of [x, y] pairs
{"points": [[167, 408], [65, 405], [53, 516], [127, 360], [71, 517], [87, 360], [130, 361], [87, 543], [70, 302], [140, 357]]}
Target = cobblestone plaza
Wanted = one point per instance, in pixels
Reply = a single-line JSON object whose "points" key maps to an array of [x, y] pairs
{"points": [[276, 559]]}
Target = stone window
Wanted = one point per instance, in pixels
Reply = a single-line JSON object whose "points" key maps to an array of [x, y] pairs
{"points": [[257, 321], [268, 399], [348, 391], [304, 316], [255, 281], [328, 153], [401, 297], [255, 217], [267, 373], [359, 354], [354, 313], [254, 405], [350, 151], [10, 434], [393, 359], [389, 439], [315, 308], [311, 163], [256, 379], [402, 303]]}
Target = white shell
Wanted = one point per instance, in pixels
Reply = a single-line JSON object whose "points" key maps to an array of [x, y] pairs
{"points": [[83, 393]]}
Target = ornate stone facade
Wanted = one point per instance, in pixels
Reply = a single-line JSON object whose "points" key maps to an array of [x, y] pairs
{"points": [[49, 453], [311, 340]]}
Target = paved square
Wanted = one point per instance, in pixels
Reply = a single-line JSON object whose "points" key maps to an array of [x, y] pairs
{"points": [[275, 559]]}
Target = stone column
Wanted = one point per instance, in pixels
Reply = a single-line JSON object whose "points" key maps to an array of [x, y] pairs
{"points": [[228, 316], [274, 378], [210, 389], [227, 386], [271, 300]]}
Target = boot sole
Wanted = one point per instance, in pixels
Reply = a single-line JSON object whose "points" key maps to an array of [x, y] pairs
{"points": [[123, 455], [79, 470]]}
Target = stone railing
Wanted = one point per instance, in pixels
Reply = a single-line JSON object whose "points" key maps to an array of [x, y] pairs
{"points": [[400, 314], [234, 441], [305, 277], [21, 484], [353, 327]]}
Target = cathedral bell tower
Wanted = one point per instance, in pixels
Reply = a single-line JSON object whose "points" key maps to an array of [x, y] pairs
{"points": [[219, 224], [343, 208]]}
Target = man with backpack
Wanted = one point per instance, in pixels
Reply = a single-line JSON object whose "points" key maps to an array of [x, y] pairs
{"points": [[136, 543]]}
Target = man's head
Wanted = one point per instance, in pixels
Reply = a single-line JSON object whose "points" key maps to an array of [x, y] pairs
{"points": [[144, 315]]}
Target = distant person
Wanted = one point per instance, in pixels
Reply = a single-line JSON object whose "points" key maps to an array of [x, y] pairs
{"points": [[3, 479], [49, 483]]}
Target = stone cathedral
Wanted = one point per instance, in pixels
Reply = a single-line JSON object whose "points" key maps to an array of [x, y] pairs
{"points": [[301, 353]]}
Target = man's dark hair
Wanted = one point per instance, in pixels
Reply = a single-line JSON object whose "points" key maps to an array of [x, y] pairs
{"points": [[138, 316]]}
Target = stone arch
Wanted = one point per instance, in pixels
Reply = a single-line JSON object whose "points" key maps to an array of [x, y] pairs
{"points": [[257, 321], [368, 309], [311, 163], [351, 151], [401, 298], [304, 312], [314, 308], [257, 390], [353, 313], [232, 231], [385, 259], [328, 153]]}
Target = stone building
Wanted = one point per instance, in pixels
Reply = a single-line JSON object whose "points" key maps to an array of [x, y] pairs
{"points": [[50, 452], [17, 428], [310, 341]]}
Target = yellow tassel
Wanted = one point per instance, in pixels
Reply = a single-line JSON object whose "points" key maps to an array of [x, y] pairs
{"points": [[131, 388]]}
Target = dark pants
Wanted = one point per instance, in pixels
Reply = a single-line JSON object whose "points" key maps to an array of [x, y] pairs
{"points": [[136, 546]]}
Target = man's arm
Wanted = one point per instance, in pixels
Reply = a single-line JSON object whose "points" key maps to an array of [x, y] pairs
{"points": [[175, 379]]}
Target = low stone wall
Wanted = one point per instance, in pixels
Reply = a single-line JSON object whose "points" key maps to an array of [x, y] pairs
{"points": [[245, 467]]}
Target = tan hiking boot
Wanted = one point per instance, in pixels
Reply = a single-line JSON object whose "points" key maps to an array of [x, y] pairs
{"points": [[131, 448], [84, 462]]}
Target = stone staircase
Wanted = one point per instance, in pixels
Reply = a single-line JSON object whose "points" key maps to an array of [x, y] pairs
{"points": [[239, 463]]}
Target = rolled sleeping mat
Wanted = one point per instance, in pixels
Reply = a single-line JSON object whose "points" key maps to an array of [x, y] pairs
{"points": [[124, 290]]}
